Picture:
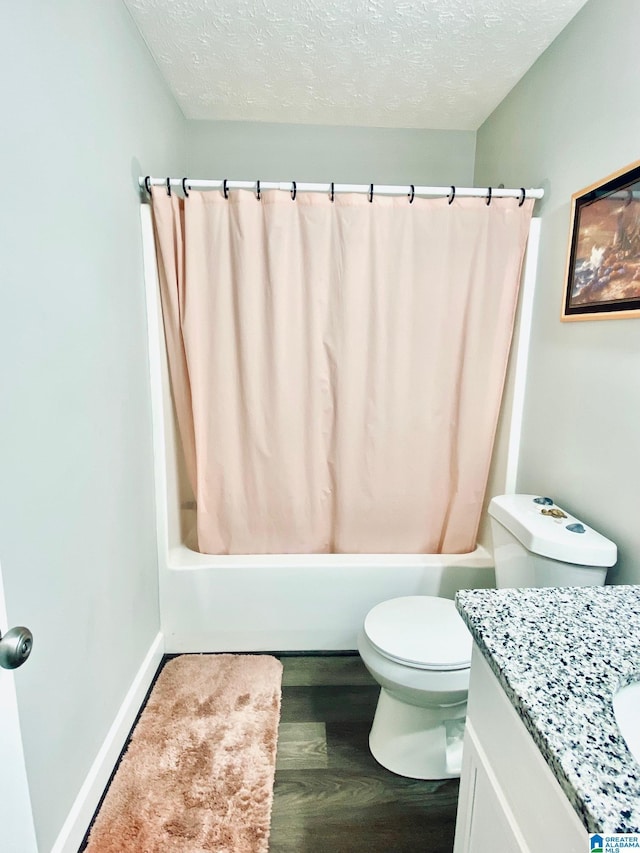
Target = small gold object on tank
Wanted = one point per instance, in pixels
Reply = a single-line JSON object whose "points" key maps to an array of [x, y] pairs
{"points": [[555, 512]]}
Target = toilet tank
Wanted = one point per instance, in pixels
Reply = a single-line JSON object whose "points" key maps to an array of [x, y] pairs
{"points": [[536, 543]]}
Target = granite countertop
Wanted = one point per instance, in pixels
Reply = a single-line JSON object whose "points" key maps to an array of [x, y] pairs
{"points": [[560, 655]]}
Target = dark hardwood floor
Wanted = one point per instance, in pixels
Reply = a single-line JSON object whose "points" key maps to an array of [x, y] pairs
{"points": [[330, 794]]}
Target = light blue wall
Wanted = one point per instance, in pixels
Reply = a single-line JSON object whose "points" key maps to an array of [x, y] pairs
{"points": [[281, 152], [573, 119], [83, 105]]}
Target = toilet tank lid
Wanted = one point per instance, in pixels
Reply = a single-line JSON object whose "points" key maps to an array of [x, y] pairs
{"points": [[566, 539]]}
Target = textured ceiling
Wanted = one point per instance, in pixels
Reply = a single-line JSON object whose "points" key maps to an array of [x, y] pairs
{"points": [[439, 64]]}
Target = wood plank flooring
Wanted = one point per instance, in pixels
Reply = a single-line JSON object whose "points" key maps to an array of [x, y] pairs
{"points": [[331, 796]]}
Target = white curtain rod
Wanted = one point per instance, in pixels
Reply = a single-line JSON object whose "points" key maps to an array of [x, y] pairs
{"points": [[372, 189]]}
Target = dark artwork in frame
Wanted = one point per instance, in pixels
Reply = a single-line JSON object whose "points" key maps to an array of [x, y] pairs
{"points": [[603, 267]]}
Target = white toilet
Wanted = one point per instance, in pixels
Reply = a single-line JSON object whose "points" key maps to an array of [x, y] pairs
{"points": [[419, 650]]}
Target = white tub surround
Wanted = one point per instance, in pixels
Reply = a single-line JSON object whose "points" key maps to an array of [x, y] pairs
{"points": [[560, 655]]}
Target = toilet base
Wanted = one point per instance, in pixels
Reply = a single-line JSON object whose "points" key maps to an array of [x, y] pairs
{"points": [[419, 743]]}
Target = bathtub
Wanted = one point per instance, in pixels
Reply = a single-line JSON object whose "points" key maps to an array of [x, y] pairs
{"points": [[306, 602], [277, 602]]}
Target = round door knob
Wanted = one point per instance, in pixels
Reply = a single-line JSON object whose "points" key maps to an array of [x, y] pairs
{"points": [[15, 647]]}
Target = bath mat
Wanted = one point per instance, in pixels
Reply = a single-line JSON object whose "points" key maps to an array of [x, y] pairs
{"points": [[197, 776]]}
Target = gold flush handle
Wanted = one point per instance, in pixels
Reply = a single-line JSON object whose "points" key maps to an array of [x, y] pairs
{"points": [[554, 513]]}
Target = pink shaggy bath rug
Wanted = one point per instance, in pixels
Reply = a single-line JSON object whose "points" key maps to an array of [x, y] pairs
{"points": [[198, 773]]}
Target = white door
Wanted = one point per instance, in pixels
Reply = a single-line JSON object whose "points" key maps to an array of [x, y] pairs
{"points": [[17, 833]]}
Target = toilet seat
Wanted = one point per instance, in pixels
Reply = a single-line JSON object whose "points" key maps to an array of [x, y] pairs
{"points": [[420, 631]]}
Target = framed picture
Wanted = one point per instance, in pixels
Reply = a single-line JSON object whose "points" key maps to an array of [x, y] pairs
{"points": [[603, 268]]}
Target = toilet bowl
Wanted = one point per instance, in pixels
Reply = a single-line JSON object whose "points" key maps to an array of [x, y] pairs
{"points": [[419, 650]]}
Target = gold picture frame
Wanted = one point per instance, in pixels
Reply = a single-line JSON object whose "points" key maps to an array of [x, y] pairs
{"points": [[603, 267]]}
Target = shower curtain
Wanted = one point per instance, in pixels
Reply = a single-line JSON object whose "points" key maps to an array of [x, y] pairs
{"points": [[337, 367]]}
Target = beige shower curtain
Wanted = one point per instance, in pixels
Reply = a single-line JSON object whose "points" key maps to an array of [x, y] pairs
{"points": [[337, 367]]}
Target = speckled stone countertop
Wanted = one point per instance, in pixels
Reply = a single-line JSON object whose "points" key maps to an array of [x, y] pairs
{"points": [[560, 655]]}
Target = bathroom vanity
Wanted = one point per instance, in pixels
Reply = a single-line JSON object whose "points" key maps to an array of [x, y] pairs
{"points": [[544, 761]]}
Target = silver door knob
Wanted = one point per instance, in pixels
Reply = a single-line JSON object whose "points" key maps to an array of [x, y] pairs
{"points": [[15, 647]]}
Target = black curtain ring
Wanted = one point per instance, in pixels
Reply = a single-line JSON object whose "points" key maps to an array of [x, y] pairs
{"points": [[332, 195], [169, 186], [489, 197], [370, 192], [412, 194], [184, 188], [452, 195], [147, 184], [522, 197], [293, 191], [225, 189], [258, 196]]}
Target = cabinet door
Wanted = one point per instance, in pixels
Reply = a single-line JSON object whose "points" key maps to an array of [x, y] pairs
{"points": [[491, 827], [485, 823]]}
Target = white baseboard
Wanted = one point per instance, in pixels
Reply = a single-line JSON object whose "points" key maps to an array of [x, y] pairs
{"points": [[78, 819]]}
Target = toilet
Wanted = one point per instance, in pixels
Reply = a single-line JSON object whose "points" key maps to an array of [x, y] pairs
{"points": [[419, 650]]}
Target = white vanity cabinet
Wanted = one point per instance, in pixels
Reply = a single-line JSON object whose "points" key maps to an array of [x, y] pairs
{"points": [[510, 801]]}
